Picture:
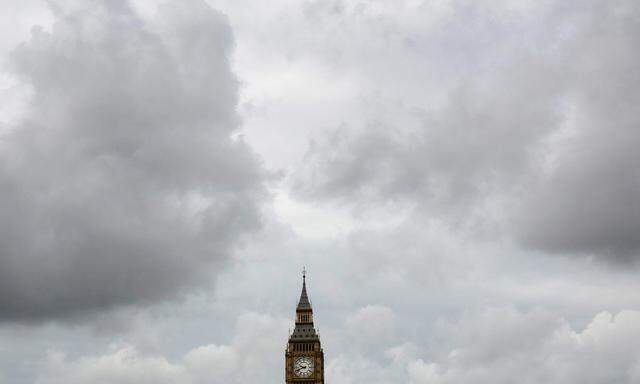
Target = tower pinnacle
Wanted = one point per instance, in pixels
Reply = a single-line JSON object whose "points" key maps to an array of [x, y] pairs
{"points": [[304, 303]]}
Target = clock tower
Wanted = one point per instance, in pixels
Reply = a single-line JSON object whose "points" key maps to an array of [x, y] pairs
{"points": [[304, 359]]}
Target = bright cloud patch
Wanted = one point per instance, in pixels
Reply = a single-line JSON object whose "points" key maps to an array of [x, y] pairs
{"points": [[256, 336], [503, 346]]}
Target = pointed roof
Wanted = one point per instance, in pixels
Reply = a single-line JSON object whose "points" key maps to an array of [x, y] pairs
{"points": [[304, 303], [304, 330]]}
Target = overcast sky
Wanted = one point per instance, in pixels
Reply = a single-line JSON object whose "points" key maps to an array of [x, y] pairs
{"points": [[461, 180]]}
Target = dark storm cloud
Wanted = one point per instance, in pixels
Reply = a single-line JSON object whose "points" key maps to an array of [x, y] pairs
{"points": [[590, 201], [122, 184], [543, 116]]}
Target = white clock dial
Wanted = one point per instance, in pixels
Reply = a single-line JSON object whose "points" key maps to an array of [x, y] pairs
{"points": [[303, 366]]}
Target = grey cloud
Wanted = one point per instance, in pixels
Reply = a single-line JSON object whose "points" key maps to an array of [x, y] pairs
{"points": [[489, 113], [537, 129], [122, 185]]}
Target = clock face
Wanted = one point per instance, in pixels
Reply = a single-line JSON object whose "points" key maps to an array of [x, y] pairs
{"points": [[303, 366]]}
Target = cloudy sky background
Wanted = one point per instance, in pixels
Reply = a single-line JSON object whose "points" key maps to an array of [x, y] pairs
{"points": [[460, 178]]}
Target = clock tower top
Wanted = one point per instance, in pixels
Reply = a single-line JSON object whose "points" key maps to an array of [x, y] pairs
{"points": [[304, 358]]}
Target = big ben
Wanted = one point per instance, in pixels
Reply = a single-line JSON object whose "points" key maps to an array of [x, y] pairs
{"points": [[304, 359]]}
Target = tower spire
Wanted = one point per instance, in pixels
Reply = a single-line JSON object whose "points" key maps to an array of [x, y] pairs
{"points": [[304, 299]]}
